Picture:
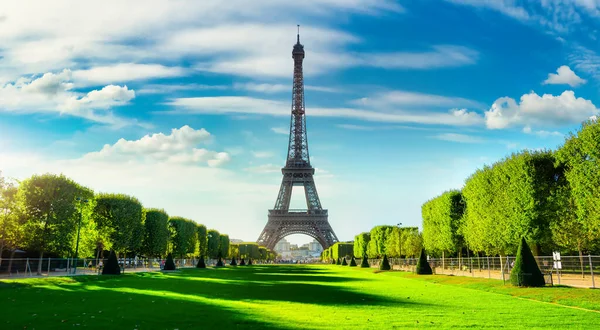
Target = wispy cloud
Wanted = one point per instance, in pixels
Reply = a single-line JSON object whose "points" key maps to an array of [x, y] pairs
{"points": [[172, 88], [124, 72], [248, 105], [407, 98], [280, 130], [460, 138]]}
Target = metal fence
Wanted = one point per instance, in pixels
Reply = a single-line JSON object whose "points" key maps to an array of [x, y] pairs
{"points": [[30, 267], [568, 270]]}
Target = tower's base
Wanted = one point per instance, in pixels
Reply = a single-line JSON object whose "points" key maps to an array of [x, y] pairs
{"points": [[282, 223]]}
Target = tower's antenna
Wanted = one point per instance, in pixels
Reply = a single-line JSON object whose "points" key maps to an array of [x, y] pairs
{"points": [[298, 33]]}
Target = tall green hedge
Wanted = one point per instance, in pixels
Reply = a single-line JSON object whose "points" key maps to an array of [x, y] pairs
{"points": [[442, 216], [361, 242]]}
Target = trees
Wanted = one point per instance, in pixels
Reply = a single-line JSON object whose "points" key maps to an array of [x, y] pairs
{"points": [[579, 158], [378, 243], [120, 217], [509, 200], [202, 240], [342, 250], [214, 239], [361, 242], [224, 245], [156, 232], [442, 216], [49, 203], [183, 236], [11, 217]]}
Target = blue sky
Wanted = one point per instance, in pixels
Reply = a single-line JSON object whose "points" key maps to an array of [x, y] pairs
{"points": [[186, 104]]}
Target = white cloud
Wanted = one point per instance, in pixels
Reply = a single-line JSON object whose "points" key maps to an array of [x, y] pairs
{"points": [[460, 138], [248, 105], [382, 127], [263, 169], [564, 75], [168, 89], [262, 154], [539, 110], [52, 93], [541, 133], [179, 147], [440, 56], [124, 72], [398, 97], [280, 130], [263, 88]]}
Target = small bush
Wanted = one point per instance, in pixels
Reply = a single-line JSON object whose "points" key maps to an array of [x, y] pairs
{"points": [[333, 261], [338, 262], [249, 262], [423, 267], [112, 265], [384, 264], [344, 263], [219, 263], [169, 264], [526, 272], [201, 263], [365, 262], [353, 262], [242, 263], [233, 262]]}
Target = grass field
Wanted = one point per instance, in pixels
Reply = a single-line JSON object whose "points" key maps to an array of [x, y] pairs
{"points": [[289, 297]]}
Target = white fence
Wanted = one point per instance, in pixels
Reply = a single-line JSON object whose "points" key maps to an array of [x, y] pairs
{"points": [[569, 270]]}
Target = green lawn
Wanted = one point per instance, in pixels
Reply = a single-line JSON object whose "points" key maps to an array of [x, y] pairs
{"points": [[289, 297]]}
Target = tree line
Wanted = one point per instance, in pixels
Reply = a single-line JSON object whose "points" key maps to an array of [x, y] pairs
{"points": [[46, 213], [549, 197]]}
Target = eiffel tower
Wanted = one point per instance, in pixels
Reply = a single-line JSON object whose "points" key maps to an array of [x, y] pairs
{"points": [[311, 221]]}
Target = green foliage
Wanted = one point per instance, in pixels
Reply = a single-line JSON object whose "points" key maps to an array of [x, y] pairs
{"points": [[442, 218], [361, 242], [403, 241], [183, 236], [202, 239], [201, 263], [384, 264], [224, 245], [353, 262], [365, 262], [249, 250], [423, 267], [511, 199], [214, 239], [378, 244], [250, 262], [219, 263], [579, 157], [112, 265], [233, 262], [12, 218], [119, 216], [242, 262], [333, 261], [525, 271], [156, 232], [344, 263], [337, 261], [341, 250], [50, 207], [169, 264], [263, 252]]}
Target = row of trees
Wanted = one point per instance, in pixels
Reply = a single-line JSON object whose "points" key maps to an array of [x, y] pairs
{"points": [[338, 250], [250, 250], [549, 197], [44, 213], [391, 241]]}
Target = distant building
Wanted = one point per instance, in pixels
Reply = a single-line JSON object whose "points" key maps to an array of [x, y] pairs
{"points": [[315, 246], [236, 241], [282, 246]]}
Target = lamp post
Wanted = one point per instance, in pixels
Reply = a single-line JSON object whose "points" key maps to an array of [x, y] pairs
{"points": [[399, 241], [79, 199]]}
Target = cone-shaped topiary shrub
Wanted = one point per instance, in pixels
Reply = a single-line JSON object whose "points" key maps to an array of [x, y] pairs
{"points": [[220, 263], [201, 263], [344, 263], [233, 262], [423, 267], [353, 262], [338, 262], [169, 264], [112, 265], [242, 263], [384, 264], [525, 271], [365, 262], [333, 261], [249, 262]]}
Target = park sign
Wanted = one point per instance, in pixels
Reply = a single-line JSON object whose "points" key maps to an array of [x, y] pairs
{"points": [[556, 260]]}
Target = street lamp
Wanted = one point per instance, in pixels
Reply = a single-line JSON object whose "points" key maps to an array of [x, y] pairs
{"points": [[79, 199]]}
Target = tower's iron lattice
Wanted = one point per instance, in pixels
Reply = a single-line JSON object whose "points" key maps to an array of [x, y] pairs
{"points": [[311, 221]]}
